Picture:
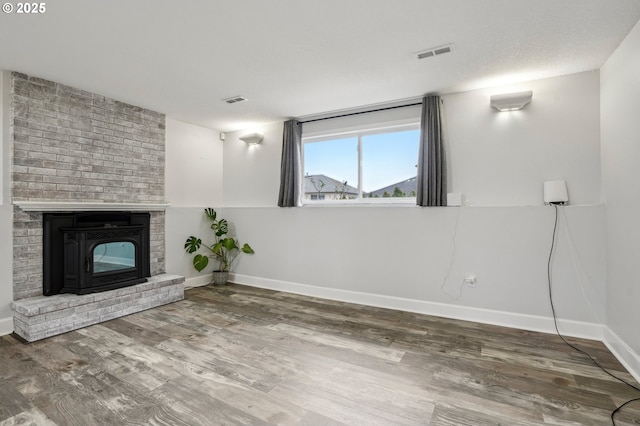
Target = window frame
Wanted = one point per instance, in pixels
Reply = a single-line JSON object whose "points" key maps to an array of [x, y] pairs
{"points": [[359, 133]]}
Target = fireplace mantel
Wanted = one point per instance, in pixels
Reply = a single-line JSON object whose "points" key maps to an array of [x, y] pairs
{"points": [[66, 206]]}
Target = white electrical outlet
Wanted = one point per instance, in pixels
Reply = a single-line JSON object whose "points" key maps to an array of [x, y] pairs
{"points": [[471, 280]]}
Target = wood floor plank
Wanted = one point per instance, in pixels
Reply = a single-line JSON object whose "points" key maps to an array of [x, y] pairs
{"points": [[239, 355], [323, 398], [200, 408], [455, 415], [31, 417], [337, 342], [249, 400], [580, 366], [139, 333], [13, 402]]}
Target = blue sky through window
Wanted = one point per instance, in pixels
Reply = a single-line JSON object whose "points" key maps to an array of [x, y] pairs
{"points": [[387, 158]]}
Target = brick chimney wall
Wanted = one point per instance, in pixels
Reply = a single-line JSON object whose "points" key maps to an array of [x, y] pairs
{"points": [[70, 145]]}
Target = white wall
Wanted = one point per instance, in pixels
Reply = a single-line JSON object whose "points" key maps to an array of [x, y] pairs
{"points": [[502, 158], [406, 253], [193, 176], [620, 92], [252, 173], [6, 212], [495, 159], [193, 168]]}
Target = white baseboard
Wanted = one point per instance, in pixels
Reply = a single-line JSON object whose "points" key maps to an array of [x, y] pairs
{"points": [[6, 326], [627, 356], [507, 319], [197, 281]]}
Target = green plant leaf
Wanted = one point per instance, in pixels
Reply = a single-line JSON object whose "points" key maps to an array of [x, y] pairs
{"points": [[192, 244], [221, 228], [211, 213], [229, 244], [217, 248], [200, 262], [224, 249]]}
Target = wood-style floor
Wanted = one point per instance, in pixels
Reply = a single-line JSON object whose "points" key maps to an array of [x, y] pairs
{"points": [[240, 355]]}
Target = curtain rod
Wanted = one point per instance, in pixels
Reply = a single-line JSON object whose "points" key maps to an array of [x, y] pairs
{"points": [[361, 112]]}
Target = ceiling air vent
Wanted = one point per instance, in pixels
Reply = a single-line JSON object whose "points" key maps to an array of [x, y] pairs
{"points": [[235, 99], [435, 51]]}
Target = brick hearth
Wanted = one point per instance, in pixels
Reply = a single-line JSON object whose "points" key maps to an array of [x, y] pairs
{"points": [[39, 317]]}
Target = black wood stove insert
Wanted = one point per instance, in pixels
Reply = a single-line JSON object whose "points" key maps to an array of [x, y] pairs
{"points": [[89, 252]]}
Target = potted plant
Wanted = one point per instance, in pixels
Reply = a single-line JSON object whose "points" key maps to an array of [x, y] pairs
{"points": [[224, 249]]}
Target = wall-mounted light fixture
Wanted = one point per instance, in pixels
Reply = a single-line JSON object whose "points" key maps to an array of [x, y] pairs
{"points": [[252, 138], [511, 101]]}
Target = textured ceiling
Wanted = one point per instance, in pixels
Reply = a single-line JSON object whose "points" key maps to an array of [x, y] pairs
{"points": [[294, 58]]}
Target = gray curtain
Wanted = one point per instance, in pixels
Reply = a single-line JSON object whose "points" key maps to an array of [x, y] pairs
{"points": [[290, 168], [432, 170]]}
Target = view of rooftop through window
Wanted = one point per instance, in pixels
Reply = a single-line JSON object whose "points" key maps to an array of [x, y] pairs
{"points": [[388, 166]]}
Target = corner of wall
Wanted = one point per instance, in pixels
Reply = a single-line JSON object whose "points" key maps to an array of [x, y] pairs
{"points": [[625, 354], [5, 129], [619, 132], [6, 211]]}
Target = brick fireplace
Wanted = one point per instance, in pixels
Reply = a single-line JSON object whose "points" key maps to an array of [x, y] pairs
{"points": [[76, 151]]}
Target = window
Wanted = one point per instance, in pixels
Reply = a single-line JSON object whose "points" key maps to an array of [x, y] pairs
{"points": [[371, 165]]}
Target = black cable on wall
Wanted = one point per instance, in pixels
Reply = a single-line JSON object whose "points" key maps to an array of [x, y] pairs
{"points": [[555, 323]]}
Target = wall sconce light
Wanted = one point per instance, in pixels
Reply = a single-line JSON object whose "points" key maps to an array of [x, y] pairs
{"points": [[511, 101], [252, 138]]}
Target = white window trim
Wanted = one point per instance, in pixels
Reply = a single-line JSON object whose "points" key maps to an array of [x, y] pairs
{"points": [[363, 202], [360, 132]]}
